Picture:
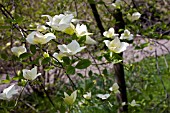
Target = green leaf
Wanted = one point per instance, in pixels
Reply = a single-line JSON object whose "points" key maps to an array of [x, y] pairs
{"points": [[16, 78], [7, 77], [70, 70], [5, 81], [33, 49], [142, 46], [66, 60], [82, 39], [25, 55], [19, 20], [14, 58], [4, 56], [46, 60], [5, 27], [91, 1], [49, 68], [80, 75], [36, 61], [83, 64], [100, 2], [90, 73]]}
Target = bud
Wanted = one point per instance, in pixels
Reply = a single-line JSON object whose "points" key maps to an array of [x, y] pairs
{"points": [[70, 99]]}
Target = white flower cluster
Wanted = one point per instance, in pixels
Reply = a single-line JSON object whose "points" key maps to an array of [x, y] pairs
{"points": [[63, 23], [116, 45]]}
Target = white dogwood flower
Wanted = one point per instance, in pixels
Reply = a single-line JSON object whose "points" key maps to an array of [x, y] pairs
{"points": [[87, 95], [70, 30], [41, 28], [115, 88], [70, 99], [38, 38], [115, 45], [59, 56], [134, 16], [126, 35], [133, 103], [89, 40], [18, 50], [110, 33], [81, 30], [30, 74], [8, 92], [59, 22], [103, 96], [70, 49], [117, 4]]}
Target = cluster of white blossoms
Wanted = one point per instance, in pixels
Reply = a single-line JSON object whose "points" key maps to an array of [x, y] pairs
{"points": [[114, 88], [70, 49], [116, 45], [8, 93], [63, 23]]}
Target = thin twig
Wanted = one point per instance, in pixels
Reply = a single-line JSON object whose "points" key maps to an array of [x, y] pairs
{"points": [[29, 105], [41, 85], [20, 94]]}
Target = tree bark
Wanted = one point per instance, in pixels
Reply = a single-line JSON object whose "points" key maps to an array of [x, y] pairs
{"points": [[97, 18], [119, 68]]}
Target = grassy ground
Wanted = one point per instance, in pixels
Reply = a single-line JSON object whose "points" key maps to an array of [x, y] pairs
{"points": [[149, 83]]}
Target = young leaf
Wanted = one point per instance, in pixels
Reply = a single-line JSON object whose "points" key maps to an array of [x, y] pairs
{"points": [[25, 55], [66, 60], [45, 60], [33, 49], [83, 64], [70, 70]]}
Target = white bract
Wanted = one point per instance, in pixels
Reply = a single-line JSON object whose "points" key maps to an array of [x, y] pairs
{"points": [[133, 103], [126, 35], [115, 88], [75, 21], [117, 3], [70, 99], [87, 95], [18, 50], [103, 96], [38, 38], [41, 28], [89, 40], [123, 103], [58, 56], [30, 74], [59, 22], [70, 30], [70, 49], [8, 92], [110, 33], [115, 45], [134, 16], [81, 30]]}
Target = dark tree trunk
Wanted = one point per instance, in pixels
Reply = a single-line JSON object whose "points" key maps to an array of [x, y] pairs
{"points": [[97, 18], [119, 68]]}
